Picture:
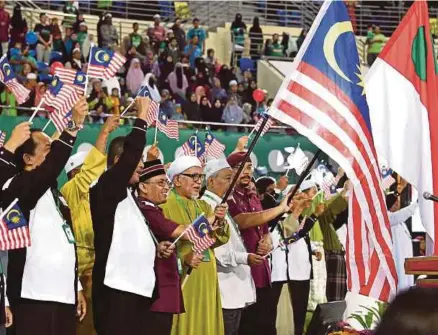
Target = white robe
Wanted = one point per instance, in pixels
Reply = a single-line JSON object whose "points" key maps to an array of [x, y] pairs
{"points": [[402, 242]]}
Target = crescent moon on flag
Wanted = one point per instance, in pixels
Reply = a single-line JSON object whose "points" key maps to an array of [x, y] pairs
{"points": [[329, 45], [203, 228], [100, 59], [7, 69], [10, 213]]}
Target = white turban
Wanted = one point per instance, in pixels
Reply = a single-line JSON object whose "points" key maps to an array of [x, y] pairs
{"points": [[181, 164], [215, 165]]}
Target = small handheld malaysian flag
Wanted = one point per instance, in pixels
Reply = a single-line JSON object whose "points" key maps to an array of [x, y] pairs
{"points": [[213, 147], [192, 145], [14, 229], [387, 179], [72, 77], [154, 107], [2, 138], [7, 77], [104, 63], [198, 234], [267, 126], [166, 126]]}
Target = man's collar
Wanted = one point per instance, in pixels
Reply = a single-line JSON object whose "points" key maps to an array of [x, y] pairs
{"points": [[212, 196], [145, 201]]}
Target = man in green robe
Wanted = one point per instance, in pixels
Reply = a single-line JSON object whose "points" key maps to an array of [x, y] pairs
{"points": [[201, 294]]}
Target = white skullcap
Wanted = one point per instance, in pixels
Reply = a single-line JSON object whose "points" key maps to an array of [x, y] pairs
{"points": [[75, 161], [232, 83], [215, 165], [31, 76], [181, 164], [157, 16], [306, 184]]}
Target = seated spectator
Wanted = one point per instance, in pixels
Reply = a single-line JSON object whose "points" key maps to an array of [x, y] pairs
{"points": [[200, 93], [247, 112], [133, 53], [18, 26], [205, 108], [166, 68], [22, 75], [166, 104], [277, 48], [216, 113], [108, 32], [100, 104], [268, 47], [199, 32], [248, 94], [76, 60], [191, 108], [56, 35], [21, 57], [173, 50], [115, 101], [193, 50], [225, 76], [178, 113], [82, 34], [7, 98], [30, 84], [134, 77], [178, 82], [211, 62], [233, 113], [5, 21], [45, 39], [70, 8], [217, 92], [233, 92], [179, 33], [77, 24]]}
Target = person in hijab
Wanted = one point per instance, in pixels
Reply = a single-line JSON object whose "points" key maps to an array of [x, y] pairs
{"points": [[225, 76], [79, 20], [18, 26], [217, 92], [247, 94], [215, 114], [40, 90], [166, 67], [191, 108], [238, 30], [178, 82], [233, 114], [200, 93], [135, 76], [256, 37], [205, 108]]}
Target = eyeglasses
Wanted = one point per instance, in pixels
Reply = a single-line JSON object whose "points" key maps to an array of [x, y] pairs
{"points": [[195, 176], [161, 183]]}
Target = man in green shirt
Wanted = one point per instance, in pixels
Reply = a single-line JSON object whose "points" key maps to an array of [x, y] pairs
{"points": [[376, 41], [277, 48]]}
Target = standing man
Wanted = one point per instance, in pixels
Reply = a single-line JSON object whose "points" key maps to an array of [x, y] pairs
{"points": [[82, 170], [42, 279], [247, 211], [233, 261], [179, 33], [201, 293], [152, 192], [123, 274], [196, 30], [156, 33]]}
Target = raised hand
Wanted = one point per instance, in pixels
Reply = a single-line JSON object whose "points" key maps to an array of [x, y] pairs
{"points": [[20, 134]]}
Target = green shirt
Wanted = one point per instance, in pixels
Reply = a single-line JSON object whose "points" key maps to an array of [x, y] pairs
{"points": [[277, 50], [335, 206], [376, 43], [9, 100]]}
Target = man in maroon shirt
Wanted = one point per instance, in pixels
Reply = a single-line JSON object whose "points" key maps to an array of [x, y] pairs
{"points": [[152, 191], [246, 209], [5, 21]]}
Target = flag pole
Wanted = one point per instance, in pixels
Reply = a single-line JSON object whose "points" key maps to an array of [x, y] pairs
{"points": [[127, 108], [12, 204], [196, 143], [47, 124], [156, 131], [37, 108], [252, 132], [86, 76]]}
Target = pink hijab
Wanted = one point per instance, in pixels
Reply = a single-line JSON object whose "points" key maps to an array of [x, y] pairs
{"points": [[135, 76]]}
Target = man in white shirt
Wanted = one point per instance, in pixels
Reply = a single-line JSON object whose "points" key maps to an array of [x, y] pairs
{"points": [[235, 280]]}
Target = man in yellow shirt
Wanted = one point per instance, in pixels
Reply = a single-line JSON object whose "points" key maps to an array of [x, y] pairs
{"points": [[82, 170]]}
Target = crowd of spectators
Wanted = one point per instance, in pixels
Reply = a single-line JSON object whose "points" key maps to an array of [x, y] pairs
{"points": [[193, 84]]}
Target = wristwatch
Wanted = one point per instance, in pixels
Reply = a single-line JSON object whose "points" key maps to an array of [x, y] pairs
{"points": [[71, 126]]}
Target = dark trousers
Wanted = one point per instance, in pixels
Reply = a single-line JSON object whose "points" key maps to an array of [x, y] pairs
{"points": [[33, 317], [161, 323], [232, 320], [299, 294], [121, 313], [260, 318]]}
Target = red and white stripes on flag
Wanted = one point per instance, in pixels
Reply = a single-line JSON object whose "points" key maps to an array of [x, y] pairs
{"points": [[327, 185], [20, 92], [14, 238], [331, 111], [267, 125], [64, 101], [388, 181], [213, 147], [59, 121], [168, 127], [199, 243], [2, 138], [152, 115], [68, 76]]}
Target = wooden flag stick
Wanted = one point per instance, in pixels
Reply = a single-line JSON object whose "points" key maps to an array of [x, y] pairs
{"points": [[86, 76]]}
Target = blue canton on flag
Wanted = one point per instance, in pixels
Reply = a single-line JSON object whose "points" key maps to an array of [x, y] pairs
{"points": [[14, 218], [323, 98], [166, 126], [104, 63], [7, 77], [198, 234], [189, 147]]}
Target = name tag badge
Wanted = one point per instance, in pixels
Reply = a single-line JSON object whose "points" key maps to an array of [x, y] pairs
{"points": [[179, 264], [68, 233], [206, 256]]}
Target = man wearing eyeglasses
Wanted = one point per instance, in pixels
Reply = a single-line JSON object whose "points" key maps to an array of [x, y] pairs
{"points": [[202, 300], [152, 192]]}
